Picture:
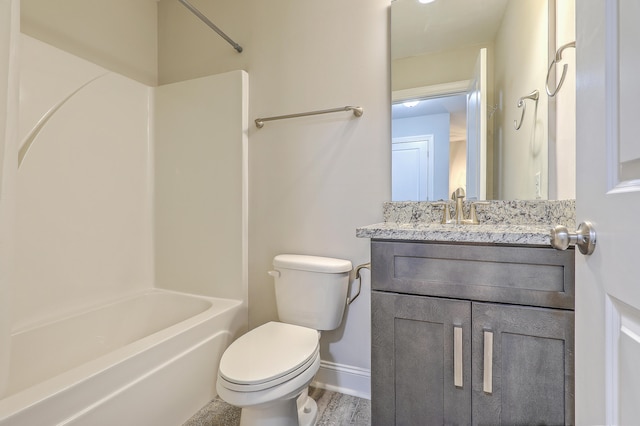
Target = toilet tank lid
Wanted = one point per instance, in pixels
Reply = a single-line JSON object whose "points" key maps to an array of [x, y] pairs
{"points": [[312, 263]]}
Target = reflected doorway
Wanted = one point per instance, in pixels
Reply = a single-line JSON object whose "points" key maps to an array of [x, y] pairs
{"points": [[429, 159]]}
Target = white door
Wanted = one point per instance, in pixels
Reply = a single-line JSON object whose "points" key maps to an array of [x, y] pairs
{"points": [[477, 130], [412, 168], [608, 195]]}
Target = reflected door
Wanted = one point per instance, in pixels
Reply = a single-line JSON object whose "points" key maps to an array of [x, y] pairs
{"points": [[412, 168], [608, 195], [477, 130]]}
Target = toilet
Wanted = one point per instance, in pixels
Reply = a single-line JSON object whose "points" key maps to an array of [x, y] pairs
{"points": [[267, 371]]}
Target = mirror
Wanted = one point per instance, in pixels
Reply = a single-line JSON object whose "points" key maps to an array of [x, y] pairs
{"points": [[436, 51]]}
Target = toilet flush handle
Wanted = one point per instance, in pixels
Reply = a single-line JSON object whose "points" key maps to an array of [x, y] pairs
{"points": [[359, 278], [275, 274]]}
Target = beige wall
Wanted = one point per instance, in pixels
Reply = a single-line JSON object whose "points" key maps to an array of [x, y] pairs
{"points": [[188, 48], [565, 145], [520, 67], [457, 165], [437, 68], [313, 180], [119, 35], [9, 39]]}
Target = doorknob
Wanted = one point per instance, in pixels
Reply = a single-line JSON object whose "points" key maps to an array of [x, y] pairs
{"points": [[584, 238]]}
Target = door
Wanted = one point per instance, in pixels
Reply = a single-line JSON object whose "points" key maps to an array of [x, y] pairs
{"points": [[477, 130], [421, 353], [608, 195], [412, 168], [522, 365]]}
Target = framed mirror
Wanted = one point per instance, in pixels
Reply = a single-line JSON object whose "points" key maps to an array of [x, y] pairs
{"points": [[464, 77]]}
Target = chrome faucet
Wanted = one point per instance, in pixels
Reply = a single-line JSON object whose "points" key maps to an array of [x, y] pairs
{"points": [[458, 214]]}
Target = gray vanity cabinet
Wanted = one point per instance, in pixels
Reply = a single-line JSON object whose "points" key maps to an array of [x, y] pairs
{"points": [[456, 340], [413, 360], [531, 362]]}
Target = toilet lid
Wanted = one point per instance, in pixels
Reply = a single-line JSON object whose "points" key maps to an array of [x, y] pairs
{"points": [[267, 353]]}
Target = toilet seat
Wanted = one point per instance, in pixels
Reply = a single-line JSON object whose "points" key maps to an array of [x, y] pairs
{"points": [[268, 356]]}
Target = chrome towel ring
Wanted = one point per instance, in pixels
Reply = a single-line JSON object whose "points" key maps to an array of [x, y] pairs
{"points": [[555, 61]]}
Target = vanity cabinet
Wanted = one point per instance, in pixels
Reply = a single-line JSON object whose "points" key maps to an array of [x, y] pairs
{"points": [[471, 334]]}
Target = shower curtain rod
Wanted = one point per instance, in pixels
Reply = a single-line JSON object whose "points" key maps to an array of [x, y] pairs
{"points": [[211, 24]]}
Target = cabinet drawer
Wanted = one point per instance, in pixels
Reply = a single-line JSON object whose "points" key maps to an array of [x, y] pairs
{"points": [[520, 275]]}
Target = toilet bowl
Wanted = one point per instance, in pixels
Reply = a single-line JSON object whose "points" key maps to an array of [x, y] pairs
{"points": [[267, 371]]}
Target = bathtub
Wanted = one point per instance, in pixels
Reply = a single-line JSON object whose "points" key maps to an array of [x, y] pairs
{"points": [[148, 359]]}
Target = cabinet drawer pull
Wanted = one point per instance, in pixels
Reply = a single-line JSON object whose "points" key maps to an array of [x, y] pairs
{"points": [[457, 356], [488, 362]]}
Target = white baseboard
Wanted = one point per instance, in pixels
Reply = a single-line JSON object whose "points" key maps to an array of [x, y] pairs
{"points": [[345, 379]]}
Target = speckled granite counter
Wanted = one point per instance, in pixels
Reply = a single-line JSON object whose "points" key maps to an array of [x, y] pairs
{"points": [[492, 234], [501, 222]]}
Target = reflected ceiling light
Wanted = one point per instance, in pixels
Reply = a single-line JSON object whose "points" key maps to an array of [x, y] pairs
{"points": [[425, 1], [410, 104]]}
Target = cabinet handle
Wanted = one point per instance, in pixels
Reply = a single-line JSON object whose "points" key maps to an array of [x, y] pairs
{"points": [[488, 362], [457, 356]]}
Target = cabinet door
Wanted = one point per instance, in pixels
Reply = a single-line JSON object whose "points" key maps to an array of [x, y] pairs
{"points": [[522, 365], [415, 359]]}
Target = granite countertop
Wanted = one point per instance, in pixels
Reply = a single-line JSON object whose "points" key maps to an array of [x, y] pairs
{"points": [[492, 234], [501, 222]]}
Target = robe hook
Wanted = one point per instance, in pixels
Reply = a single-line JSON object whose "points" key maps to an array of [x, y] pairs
{"points": [[534, 95]]}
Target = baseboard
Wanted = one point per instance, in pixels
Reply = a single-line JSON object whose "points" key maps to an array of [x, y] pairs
{"points": [[345, 379]]}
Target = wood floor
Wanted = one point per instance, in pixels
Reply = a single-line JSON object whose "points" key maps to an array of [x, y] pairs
{"points": [[334, 409]]}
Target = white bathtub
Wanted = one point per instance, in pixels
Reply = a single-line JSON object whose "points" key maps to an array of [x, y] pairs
{"points": [[149, 359]]}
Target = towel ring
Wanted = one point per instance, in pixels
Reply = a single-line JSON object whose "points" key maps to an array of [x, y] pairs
{"points": [[555, 61]]}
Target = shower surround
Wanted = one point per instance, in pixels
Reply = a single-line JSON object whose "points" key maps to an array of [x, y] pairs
{"points": [[118, 188]]}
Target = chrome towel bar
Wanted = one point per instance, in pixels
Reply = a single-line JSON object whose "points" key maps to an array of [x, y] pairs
{"points": [[357, 111]]}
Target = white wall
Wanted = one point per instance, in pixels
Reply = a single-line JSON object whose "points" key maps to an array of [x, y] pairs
{"points": [[313, 180], [9, 39], [520, 67], [201, 185], [83, 226]]}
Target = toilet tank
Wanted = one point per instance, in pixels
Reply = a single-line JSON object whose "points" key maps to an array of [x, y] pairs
{"points": [[311, 291]]}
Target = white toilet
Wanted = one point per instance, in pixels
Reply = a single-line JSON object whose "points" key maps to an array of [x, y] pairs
{"points": [[267, 371]]}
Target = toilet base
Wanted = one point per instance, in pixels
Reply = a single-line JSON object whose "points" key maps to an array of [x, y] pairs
{"points": [[307, 409], [301, 411]]}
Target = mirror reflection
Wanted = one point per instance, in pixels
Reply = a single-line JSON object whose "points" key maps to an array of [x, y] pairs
{"points": [[460, 68]]}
